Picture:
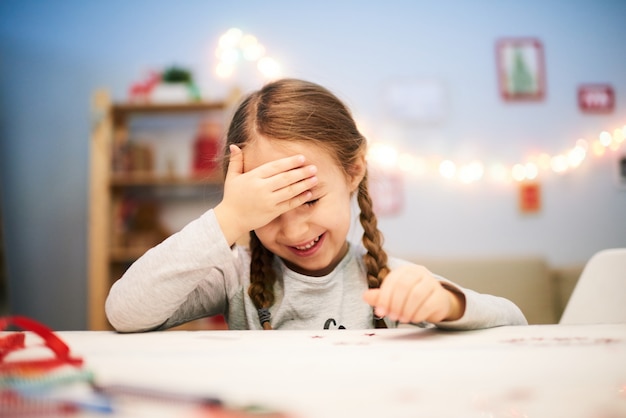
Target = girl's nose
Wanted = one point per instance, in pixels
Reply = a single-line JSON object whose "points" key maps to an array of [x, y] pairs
{"points": [[293, 226]]}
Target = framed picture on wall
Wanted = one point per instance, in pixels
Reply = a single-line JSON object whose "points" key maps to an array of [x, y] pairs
{"points": [[596, 98], [521, 72]]}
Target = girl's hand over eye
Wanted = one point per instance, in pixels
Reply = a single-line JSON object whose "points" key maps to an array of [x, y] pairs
{"points": [[255, 198], [411, 294]]}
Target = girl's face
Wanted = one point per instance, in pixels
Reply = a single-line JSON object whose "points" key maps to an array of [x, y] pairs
{"points": [[310, 239]]}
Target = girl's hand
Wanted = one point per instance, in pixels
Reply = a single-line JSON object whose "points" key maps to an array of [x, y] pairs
{"points": [[253, 199], [410, 294]]}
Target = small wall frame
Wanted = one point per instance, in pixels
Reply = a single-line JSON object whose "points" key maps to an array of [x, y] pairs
{"points": [[521, 69]]}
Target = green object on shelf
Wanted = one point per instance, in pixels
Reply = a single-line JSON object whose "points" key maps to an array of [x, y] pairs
{"points": [[177, 75]]}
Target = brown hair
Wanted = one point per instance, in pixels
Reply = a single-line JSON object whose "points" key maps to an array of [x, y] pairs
{"points": [[297, 110]]}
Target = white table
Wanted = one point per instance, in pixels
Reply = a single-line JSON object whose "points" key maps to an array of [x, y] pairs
{"points": [[525, 371]]}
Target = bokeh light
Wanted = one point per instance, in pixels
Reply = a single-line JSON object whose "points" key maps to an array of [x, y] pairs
{"points": [[235, 47]]}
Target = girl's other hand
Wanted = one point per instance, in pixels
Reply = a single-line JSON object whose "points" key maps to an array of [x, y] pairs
{"points": [[411, 294], [254, 198]]}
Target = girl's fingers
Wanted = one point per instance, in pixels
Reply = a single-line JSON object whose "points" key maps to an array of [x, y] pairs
{"points": [[296, 194], [416, 301], [279, 166], [382, 307], [371, 296], [398, 300], [235, 164], [287, 179], [296, 201], [290, 180]]}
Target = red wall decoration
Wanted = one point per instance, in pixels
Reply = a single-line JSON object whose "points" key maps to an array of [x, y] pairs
{"points": [[596, 98]]}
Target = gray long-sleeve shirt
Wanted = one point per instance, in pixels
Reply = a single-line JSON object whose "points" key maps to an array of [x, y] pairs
{"points": [[194, 273]]}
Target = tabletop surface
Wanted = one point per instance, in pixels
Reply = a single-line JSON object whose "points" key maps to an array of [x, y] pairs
{"points": [[524, 371]]}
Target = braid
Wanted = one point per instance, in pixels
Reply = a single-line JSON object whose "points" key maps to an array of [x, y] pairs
{"points": [[262, 279], [375, 259]]}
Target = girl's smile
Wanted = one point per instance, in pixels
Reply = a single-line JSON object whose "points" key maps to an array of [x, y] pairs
{"points": [[308, 249]]}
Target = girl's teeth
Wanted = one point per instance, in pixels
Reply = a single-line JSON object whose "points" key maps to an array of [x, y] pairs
{"points": [[309, 245]]}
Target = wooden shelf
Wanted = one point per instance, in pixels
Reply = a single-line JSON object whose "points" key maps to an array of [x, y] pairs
{"points": [[120, 111], [126, 255], [150, 179]]}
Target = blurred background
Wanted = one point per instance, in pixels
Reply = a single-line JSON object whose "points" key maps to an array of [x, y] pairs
{"points": [[496, 126]]}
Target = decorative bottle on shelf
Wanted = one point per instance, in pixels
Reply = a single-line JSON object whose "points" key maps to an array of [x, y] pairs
{"points": [[206, 148]]}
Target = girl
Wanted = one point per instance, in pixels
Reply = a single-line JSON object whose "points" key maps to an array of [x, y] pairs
{"points": [[296, 159]]}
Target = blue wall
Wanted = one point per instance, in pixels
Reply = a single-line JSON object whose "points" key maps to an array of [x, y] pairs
{"points": [[53, 55]]}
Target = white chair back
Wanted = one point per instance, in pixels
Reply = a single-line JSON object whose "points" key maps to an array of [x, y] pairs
{"points": [[600, 294]]}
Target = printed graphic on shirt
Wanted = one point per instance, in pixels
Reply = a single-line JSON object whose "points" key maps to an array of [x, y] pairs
{"points": [[331, 321]]}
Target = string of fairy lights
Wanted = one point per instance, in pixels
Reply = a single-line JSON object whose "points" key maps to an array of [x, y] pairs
{"points": [[235, 47], [388, 157]]}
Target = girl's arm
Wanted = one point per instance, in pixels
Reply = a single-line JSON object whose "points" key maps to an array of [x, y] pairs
{"points": [[181, 279], [484, 311], [412, 294]]}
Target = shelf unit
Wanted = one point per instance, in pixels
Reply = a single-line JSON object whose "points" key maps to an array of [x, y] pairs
{"points": [[108, 259]]}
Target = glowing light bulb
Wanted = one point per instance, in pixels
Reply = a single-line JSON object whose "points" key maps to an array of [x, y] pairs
{"points": [[383, 155], [251, 49], [531, 171], [413, 165], [471, 172], [605, 138], [269, 68], [406, 162], [254, 52], [498, 172], [231, 38], [224, 70], [247, 41], [478, 169], [597, 148], [559, 163], [543, 161], [518, 172], [465, 175], [576, 156], [582, 143], [447, 169], [228, 55], [618, 136]]}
